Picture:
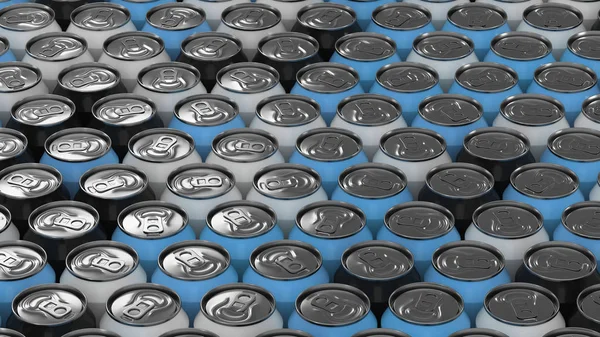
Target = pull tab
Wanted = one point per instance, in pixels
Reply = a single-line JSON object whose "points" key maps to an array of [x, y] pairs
{"points": [[52, 307], [245, 79], [329, 78], [172, 19], [45, 111], [238, 218], [106, 185], [20, 18], [213, 46], [552, 20], [328, 304], [73, 146], [129, 110], [109, 264], [557, 262], [374, 260], [286, 111], [24, 181], [328, 16], [535, 111], [163, 145], [506, 220], [329, 221], [252, 17], [474, 263], [444, 48], [397, 19], [138, 309], [454, 112], [12, 79], [241, 304], [209, 181], [189, 259], [482, 79], [290, 264], [541, 185], [329, 145], [66, 221], [428, 303], [384, 185], [288, 47], [522, 47], [594, 222], [154, 222], [524, 309], [9, 260], [203, 110], [279, 184], [490, 144], [403, 220], [369, 48], [410, 143], [455, 181], [367, 110], [478, 19], [249, 146], [584, 147], [102, 15], [132, 47]]}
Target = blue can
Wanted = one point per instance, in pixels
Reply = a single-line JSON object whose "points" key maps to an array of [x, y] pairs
{"points": [[409, 83], [74, 151], [151, 226], [13, 2], [366, 53], [582, 48], [549, 188], [570, 83], [174, 22], [328, 84], [421, 227], [488, 83], [580, 224], [332, 310], [480, 22], [452, 116], [363, 9], [286, 268], [24, 264], [139, 8], [205, 116], [191, 269], [329, 151], [426, 309], [240, 227], [331, 227], [402, 22], [471, 268], [522, 51], [376, 187], [579, 150], [6, 55]]}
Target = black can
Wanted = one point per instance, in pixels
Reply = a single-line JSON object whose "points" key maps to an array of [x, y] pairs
{"points": [[14, 148], [573, 332], [475, 332], [587, 314], [91, 333], [63, 9], [564, 268]]}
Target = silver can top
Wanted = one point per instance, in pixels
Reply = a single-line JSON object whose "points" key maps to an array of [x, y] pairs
{"points": [[175, 16], [20, 259], [412, 144], [329, 144], [288, 110], [124, 109], [63, 220], [200, 181], [287, 181], [330, 219], [161, 145], [78, 145], [26, 17], [241, 219], [401, 16], [238, 305], [102, 261], [244, 145], [152, 220], [43, 110], [443, 46], [288, 47], [553, 16], [326, 16], [365, 47], [133, 46], [407, 77], [211, 46], [169, 77], [327, 77], [372, 181], [285, 260], [89, 77], [194, 260], [28, 181], [53, 47], [113, 182], [565, 77], [12, 143], [18, 76], [369, 110], [100, 16], [248, 77], [49, 305], [143, 305], [206, 110], [251, 17], [332, 305]]}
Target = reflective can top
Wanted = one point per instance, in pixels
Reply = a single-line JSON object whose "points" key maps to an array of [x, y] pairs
{"points": [[565, 77], [237, 305], [64, 220], [401, 16], [11, 333], [194, 260], [100, 16], [248, 77], [377, 260], [419, 220], [78, 145], [113, 182], [244, 145], [521, 304], [284, 333], [332, 305], [505, 219], [29, 181], [443, 46], [329, 144], [477, 16], [288, 47], [412, 144], [327, 77], [43, 110], [576, 144], [189, 332], [326, 16], [365, 47], [4, 45], [161, 145], [583, 219], [496, 144], [478, 332], [287, 181], [206, 110], [521, 46], [211, 46], [18, 76], [123, 110], [168, 77], [91, 332], [369, 110], [251, 16], [58, 46], [532, 109], [102, 261], [5, 218], [12, 143], [544, 181], [588, 304], [380, 332], [424, 303], [559, 261], [150, 220], [288, 110], [468, 261], [133, 46], [89, 77], [241, 219], [200, 181], [572, 332], [585, 44], [459, 180], [372, 181], [591, 108], [330, 220], [26, 17], [49, 305], [450, 110], [553, 16], [285, 260], [143, 305], [486, 77], [407, 77], [20, 259], [175, 16]]}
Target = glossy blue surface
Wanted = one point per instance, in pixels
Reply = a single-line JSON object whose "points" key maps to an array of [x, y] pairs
{"points": [[489, 101], [138, 10], [390, 321], [403, 38], [2, 5], [8, 56], [525, 69], [173, 38], [366, 70], [563, 234], [587, 172], [363, 9], [298, 323], [569, 56], [327, 102], [481, 38]]}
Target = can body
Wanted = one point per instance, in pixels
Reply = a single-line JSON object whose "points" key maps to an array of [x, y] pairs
{"points": [[577, 226], [16, 149], [586, 315]]}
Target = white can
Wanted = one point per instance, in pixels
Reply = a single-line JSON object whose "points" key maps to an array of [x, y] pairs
{"points": [[590, 114]]}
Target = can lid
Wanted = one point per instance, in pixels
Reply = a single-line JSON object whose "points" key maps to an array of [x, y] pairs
{"points": [[380, 332], [238, 305], [377, 260], [142, 305], [92, 332], [591, 108], [583, 219], [100, 16], [161, 145], [287, 181], [450, 110], [43, 110], [244, 145], [521, 46], [496, 144], [407, 77], [478, 332], [401, 16], [241, 219], [28, 181], [477, 16], [412, 144], [544, 181], [288, 110], [168, 77], [508, 219], [12, 143], [102, 261], [20, 259], [4, 45], [330, 219], [49, 305], [89, 77], [532, 109], [251, 17], [468, 261], [372, 181], [124, 110], [5, 218], [588, 303], [9, 333], [329, 144], [443, 46], [113, 181], [195, 260], [18, 76], [286, 260], [25, 17], [56, 46], [288, 47], [327, 77], [152, 220], [576, 144], [486, 77], [585, 44], [189, 332], [326, 16], [521, 304], [460, 180], [419, 220], [206, 110], [321, 305], [211, 46], [248, 77], [553, 16], [175, 16], [64, 220], [133, 46], [369, 110], [365, 47], [572, 332], [200, 181], [565, 77], [284, 332], [558, 261], [78, 144], [424, 303]]}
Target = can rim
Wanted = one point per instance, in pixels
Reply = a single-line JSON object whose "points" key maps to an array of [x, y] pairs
{"points": [[531, 8], [104, 66], [316, 131], [147, 35], [37, 38], [382, 98], [172, 131], [466, 166], [174, 4], [576, 36], [81, 205], [381, 8], [378, 332], [427, 285], [102, 243], [307, 8], [468, 243], [51, 286], [69, 131], [236, 65], [332, 203], [187, 167], [572, 208], [300, 244], [329, 65], [30, 245], [91, 331], [560, 107], [280, 166], [16, 134], [235, 131], [87, 174], [567, 131], [378, 243], [563, 332], [28, 66], [585, 292], [555, 167], [587, 102], [302, 98], [263, 207], [424, 204], [497, 129], [232, 8], [173, 64], [232, 286], [535, 36], [195, 36], [8, 215], [489, 6], [459, 36], [467, 99], [182, 332], [195, 243], [37, 166], [496, 65], [403, 64], [478, 331], [127, 210], [381, 166], [191, 98], [373, 35], [578, 66], [305, 37], [4, 41], [82, 8], [34, 98], [508, 203], [386, 136], [112, 97], [280, 332], [49, 10], [561, 244]]}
